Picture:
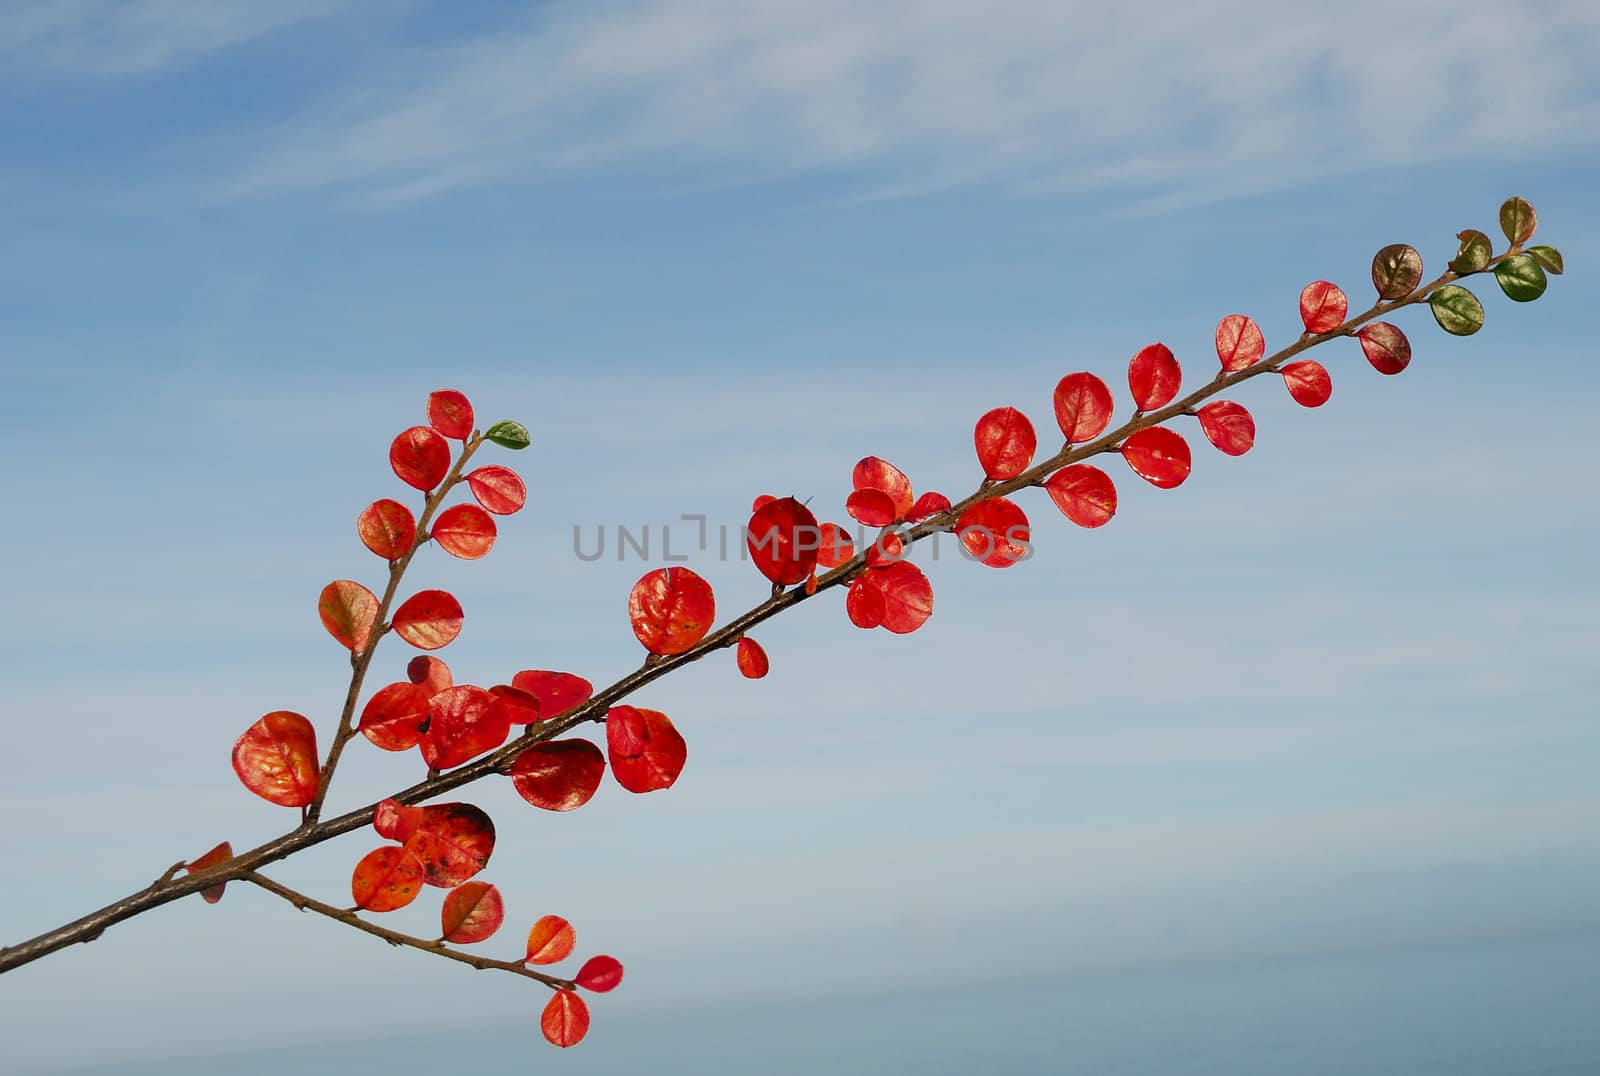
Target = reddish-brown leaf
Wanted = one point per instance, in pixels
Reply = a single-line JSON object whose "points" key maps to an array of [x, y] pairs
{"points": [[463, 723], [276, 758], [1228, 426], [1083, 407], [565, 1020], [499, 489], [872, 507], [601, 974], [429, 619], [521, 708], [395, 821], [220, 854], [465, 531], [386, 878], [907, 596], [1154, 377], [557, 692], [1159, 456], [387, 528], [864, 604], [1308, 382], [1005, 441], [995, 532], [874, 473], [420, 457], [783, 537], [1322, 307], [394, 716], [550, 941], [752, 658], [1085, 494], [1239, 342], [835, 546], [349, 611], [450, 413], [928, 505], [645, 751], [428, 671], [558, 775], [671, 609], [471, 912], [1386, 347], [453, 841]]}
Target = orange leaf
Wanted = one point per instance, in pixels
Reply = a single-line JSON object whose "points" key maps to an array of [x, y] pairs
{"points": [[646, 752], [387, 528], [429, 619], [429, 673], [386, 878], [752, 659], [558, 775], [451, 842], [565, 1020], [220, 854], [472, 911], [276, 758], [394, 716], [463, 723], [550, 941], [349, 611], [395, 821], [671, 609]]}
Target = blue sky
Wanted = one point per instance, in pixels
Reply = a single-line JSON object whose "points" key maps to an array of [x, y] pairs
{"points": [[1335, 694]]}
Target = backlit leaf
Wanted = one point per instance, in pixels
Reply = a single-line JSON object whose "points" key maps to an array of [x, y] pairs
{"points": [[782, 538], [835, 545], [1154, 377], [1474, 253], [1385, 347], [752, 659], [1308, 382], [888, 548], [452, 842], [499, 489], [1521, 278], [558, 775], [277, 759], [874, 473], [471, 912], [429, 619], [557, 692], [521, 708], [1322, 307], [601, 974], [463, 722], [927, 506], [429, 672], [565, 1020], [1457, 310], [646, 752], [1083, 407], [1085, 494], [220, 854], [1228, 426], [395, 821], [420, 457], [907, 596], [349, 611], [1396, 271], [1159, 456], [1549, 259], [864, 604], [671, 609], [387, 528], [386, 878], [994, 532], [550, 941], [465, 531], [873, 507], [1239, 342], [508, 434], [450, 413], [1518, 220], [394, 716], [1005, 441]]}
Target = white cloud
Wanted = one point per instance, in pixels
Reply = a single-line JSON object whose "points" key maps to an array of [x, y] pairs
{"points": [[908, 94]]}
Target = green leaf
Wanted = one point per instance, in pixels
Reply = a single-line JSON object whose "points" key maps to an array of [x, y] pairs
{"points": [[508, 434], [1521, 278], [1549, 259], [1396, 271], [1457, 310], [1518, 220], [1474, 254]]}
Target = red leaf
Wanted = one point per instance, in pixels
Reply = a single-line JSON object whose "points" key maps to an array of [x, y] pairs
{"points": [[883, 476], [761, 502], [395, 821], [1386, 347], [928, 505], [783, 538], [276, 758], [450, 413], [565, 1020], [463, 723], [420, 457], [602, 974], [394, 716], [1308, 382], [1085, 494], [220, 854], [349, 611], [429, 672], [550, 941], [499, 489], [386, 878], [1005, 441], [1154, 377], [872, 507], [557, 692], [1239, 342], [387, 528], [645, 751], [1322, 307], [1159, 456], [671, 609], [995, 532], [835, 546], [465, 531], [889, 548], [752, 659], [521, 708], [864, 604], [429, 619], [1083, 407], [1228, 426], [558, 775], [907, 596], [452, 842], [472, 911]]}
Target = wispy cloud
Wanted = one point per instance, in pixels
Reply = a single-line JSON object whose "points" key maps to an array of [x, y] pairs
{"points": [[913, 94]]}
